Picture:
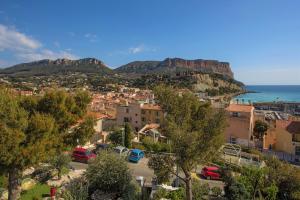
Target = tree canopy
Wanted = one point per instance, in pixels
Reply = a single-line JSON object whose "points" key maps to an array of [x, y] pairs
{"points": [[33, 129], [260, 129], [194, 130]]}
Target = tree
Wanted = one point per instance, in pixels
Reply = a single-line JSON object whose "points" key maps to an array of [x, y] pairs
{"points": [[236, 191], [194, 130], [66, 109], [115, 137], [260, 129], [59, 162], [32, 132], [128, 136], [82, 133], [253, 178], [161, 169], [24, 141], [285, 176], [109, 173]]}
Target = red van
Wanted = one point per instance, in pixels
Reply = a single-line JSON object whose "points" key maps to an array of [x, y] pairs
{"points": [[211, 173], [82, 155]]}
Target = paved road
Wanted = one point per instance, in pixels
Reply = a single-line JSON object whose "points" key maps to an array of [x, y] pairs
{"points": [[141, 169], [137, 169]]}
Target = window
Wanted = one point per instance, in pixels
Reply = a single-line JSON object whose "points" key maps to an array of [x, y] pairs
{"points": [[157, 121], [143, 119], [143, 112], [157, 113], [136, 122], [126, 119], [235, 114], [127, 110], [232, 140], [136, 114], [297, 150]]}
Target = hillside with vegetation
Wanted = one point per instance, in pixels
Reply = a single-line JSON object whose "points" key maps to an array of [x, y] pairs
{"points": [[213, 77]]}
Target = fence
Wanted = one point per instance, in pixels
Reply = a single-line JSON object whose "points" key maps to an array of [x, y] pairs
{"points": [[282, 155]]}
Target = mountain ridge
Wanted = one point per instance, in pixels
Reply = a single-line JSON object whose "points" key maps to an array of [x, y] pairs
{"points": [[47, 66], [173, 65], [138, 68]]}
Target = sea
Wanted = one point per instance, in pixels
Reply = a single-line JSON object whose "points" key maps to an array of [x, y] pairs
{"points": [[270, 93]]}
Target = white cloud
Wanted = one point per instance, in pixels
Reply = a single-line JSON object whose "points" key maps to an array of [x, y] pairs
{"points": [[91, 37], [25, 48], [134, 50], [10, 39], [46, 54], [139, 49]]}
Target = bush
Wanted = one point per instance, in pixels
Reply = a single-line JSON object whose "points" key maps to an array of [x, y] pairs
{"points": [[199, 190], [115, 137], [138, 146], [77, 189], [216, 191], [60, 162], [109, 173], [152, 146], [173, 195]]}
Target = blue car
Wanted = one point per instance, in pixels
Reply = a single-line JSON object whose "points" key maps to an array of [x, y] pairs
{"points": [[135, 155]]}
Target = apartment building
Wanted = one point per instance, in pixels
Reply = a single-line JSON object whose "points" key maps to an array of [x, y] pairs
{"points": [[151, 113], [284, 136], [129, 113], [240, 120]]}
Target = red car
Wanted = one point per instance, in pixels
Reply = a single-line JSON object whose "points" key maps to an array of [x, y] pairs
{"points": [[211, 173], [82, 155]]}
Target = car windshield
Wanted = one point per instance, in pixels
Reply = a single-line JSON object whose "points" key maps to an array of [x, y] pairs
{"points": [[134, 154], [117, 150]]}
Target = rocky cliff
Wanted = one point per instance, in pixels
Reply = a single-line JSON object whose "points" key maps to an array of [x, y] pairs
{"points": [[170, 65]]}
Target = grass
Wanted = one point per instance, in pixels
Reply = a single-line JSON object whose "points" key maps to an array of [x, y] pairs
{"points": [[36, 192]]}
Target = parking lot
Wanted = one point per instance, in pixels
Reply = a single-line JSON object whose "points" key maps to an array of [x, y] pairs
{"points": [[141, 169]]}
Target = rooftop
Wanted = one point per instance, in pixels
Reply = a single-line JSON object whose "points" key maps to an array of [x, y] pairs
{"points": [[289, 125], [239, 108], [150, 107]]}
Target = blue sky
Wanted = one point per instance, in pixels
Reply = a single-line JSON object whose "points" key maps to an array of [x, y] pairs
{"points": [[260, 38]]}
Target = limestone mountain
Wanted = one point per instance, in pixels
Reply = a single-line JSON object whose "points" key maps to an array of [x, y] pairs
{"points": [[59, 66], [171, 65]]}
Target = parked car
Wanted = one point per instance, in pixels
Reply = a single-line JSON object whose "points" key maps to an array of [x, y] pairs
{"points": [[100, 147], [135, 155], [122, 151], [211, 173], [82, 155]]}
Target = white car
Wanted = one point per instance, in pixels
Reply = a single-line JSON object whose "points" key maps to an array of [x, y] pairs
{"points": [[122, 151]]}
